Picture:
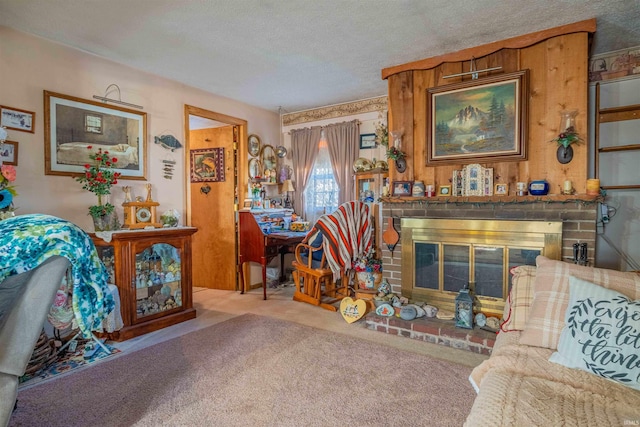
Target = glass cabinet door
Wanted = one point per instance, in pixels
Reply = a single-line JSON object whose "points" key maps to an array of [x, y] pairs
{"points": [[158, 279], [107, 256]]}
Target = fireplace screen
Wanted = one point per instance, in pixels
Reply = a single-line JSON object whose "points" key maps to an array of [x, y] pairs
{"points": [[441, 257]]}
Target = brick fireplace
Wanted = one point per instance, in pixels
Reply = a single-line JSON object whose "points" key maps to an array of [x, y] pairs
{"points": [[578, 215]]}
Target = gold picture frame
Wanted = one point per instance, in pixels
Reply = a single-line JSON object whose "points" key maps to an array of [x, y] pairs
{"points": [[444, 190], [482, 120]]}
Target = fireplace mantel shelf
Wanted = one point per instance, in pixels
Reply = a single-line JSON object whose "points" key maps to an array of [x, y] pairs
{"points": [[549, 198]]}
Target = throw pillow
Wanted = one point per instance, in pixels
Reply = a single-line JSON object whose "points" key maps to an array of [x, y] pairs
{"points": [[551, 296], [516, 310], [602, 333]]}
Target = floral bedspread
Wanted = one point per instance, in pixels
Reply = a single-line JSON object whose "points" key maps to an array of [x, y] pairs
{"points": [[26, 241]]}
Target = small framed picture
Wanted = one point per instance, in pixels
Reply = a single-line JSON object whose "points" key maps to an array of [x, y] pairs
{"points": [[402, 188], [9, 153], [16, 119], [367, 140], [501, 189], [444, 190]]}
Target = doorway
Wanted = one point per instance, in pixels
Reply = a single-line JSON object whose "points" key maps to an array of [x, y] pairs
{"points": [[212, 198]]}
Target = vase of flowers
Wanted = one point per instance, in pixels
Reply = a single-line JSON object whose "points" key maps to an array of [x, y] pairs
{"points": [[368, 272], [98, 178], [7, 191]]}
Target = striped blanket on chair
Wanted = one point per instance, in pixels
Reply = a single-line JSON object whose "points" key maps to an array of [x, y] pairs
{"points": [[347, 235]]}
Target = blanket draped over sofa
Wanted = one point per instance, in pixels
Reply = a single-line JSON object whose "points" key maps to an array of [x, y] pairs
{"points": [[592, 378], [26, 241], [520, 387]]}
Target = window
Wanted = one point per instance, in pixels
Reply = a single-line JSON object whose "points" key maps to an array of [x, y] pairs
{"points": [[321, 194], [93, 123]]}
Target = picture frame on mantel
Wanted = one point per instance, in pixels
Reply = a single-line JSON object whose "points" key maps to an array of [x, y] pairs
{"points": [[75, 128], [478, 120]]}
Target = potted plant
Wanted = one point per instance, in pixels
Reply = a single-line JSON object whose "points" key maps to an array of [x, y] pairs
{"points": [[368, 271], [98, 178]]}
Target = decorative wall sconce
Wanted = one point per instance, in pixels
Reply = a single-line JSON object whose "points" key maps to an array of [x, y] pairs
{"points": [[394, 152], [567, 136]]}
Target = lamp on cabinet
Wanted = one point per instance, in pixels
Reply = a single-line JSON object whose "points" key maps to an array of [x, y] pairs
{"points": [[287, 186]]}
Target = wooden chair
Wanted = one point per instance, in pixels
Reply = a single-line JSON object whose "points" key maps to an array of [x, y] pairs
{"points": [[314, 279]]}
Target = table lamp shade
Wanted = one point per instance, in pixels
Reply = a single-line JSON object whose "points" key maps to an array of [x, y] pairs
{"points": [[288, 186]]}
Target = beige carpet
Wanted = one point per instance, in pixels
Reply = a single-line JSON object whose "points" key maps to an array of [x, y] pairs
{"points": [[258, 371]]}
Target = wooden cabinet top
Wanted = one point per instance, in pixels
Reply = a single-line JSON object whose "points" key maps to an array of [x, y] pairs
{"points": [[156, 233]]}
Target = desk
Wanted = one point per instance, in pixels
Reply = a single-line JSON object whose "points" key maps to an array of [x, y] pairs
{"points": [[257, 246]]}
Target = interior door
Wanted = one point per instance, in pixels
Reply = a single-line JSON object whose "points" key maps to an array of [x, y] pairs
{"points": [[212, 153]]}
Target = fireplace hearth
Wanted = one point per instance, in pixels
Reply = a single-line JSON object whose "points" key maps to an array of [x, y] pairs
{"points": [[575, 216]]}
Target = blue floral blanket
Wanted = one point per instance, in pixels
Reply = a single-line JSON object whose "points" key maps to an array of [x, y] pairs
{"points": [[26, 241]]}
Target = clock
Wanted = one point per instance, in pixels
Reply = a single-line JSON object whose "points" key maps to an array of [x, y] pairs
{"points": [[140, 215]]}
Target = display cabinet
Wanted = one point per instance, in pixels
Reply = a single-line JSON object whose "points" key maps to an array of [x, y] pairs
{"points": [[369, 187], [152, 270]]}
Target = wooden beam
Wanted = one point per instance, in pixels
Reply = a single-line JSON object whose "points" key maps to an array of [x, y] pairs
{"points": [[518, 42]]}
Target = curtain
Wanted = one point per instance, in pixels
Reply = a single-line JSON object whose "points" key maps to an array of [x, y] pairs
{"points": [[343, 143], [304, 147]]}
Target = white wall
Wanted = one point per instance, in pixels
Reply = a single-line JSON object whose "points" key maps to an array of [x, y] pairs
{"points": [[623, 230], [29, 65]]}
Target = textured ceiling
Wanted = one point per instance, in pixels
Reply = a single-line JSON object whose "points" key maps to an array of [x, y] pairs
{"points": [[301, 54]]}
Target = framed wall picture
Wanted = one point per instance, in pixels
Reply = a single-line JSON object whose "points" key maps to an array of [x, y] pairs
{"points": [[75, 128], [17, 119], [478, 120], [444, 190], [207, 165], [367, 140], [501, 189], [402, 188], [9, 153]]}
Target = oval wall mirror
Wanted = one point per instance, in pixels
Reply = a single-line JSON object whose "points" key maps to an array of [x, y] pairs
{"points": [[254, 145], [254, 168], [268, 157]]}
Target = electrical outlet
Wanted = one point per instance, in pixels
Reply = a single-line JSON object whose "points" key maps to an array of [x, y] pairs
{"points": [[604, 211]]}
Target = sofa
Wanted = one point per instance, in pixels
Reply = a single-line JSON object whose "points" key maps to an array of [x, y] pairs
{"points": [[568, 352]]}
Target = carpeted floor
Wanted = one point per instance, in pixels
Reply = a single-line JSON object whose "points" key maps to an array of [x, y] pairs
{"points": [[258, 371]]}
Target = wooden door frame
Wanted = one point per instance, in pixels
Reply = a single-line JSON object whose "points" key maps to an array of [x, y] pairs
{"points": [[241, 160]]}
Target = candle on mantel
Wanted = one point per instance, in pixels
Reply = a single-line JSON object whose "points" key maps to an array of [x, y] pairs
{"points": [[593, 187], [567, 187]]}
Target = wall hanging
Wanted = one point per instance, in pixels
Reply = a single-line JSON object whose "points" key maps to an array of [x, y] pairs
{"points": [[72, 125], [207, 165]]}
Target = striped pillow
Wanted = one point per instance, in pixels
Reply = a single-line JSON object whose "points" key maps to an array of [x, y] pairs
{"points": [[516, 309], [551, 296]]}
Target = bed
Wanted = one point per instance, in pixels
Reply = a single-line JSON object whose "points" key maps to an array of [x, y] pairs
{"points": [[77, 153]]}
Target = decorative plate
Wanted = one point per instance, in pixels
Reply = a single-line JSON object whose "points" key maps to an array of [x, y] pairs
{"points": [[481, 319], [385, 310], [281, 151]]}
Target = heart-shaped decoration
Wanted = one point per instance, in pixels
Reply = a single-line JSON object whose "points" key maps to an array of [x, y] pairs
{"points": [[352, 310]]}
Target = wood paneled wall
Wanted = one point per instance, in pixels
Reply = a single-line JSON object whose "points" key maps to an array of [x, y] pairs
{"points": [[558, 80]]}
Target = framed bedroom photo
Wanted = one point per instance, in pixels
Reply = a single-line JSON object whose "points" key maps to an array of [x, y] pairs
{"points": [[367, 140], [75, 128], [9, 153], [478, 120], [402, 188], [17, 119]]}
